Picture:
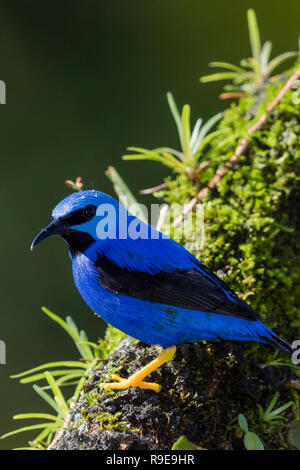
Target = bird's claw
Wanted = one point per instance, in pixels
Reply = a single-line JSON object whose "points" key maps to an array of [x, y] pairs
{"points": [[123, 384]]}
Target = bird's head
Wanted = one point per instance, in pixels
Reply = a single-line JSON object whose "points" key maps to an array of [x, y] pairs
{"points": [[76, 219]]}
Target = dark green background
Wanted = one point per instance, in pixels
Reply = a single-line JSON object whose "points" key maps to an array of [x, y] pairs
{"points": [[85, 79]]}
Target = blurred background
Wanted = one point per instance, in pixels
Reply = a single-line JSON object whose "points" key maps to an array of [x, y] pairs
{"points": [[86, 79]]}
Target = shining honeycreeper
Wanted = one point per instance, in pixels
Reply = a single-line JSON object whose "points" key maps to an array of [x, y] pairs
{"points": [[147, 285]]}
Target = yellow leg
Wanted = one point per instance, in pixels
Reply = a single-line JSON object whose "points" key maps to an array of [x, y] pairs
{"points": [[136, 379]]}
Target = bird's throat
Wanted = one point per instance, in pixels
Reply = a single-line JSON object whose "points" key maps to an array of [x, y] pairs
{"points": [[77, 241]]}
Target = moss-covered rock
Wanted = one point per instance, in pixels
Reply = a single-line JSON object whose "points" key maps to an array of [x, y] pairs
{"points": [[204, 389]]}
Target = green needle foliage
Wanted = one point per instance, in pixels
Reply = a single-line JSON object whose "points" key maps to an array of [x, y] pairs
{"points": [[192, 142], [63, 374], [125, 195], [254, 71], [278, 363], [274, 415]]}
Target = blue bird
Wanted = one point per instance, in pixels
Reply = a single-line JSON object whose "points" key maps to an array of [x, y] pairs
{"points": [[147, 285]]}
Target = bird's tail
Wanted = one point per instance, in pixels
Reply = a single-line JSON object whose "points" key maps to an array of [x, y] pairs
{"points": [[279, 343]]}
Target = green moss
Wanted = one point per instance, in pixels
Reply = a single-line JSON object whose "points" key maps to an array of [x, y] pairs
{"points": [[113, 337], [107, 421]]}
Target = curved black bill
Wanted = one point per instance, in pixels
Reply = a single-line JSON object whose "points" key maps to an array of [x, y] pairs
{"points": [[54, 228]]}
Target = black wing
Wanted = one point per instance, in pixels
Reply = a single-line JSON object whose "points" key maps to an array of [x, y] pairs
{"points": [[190, 289]]}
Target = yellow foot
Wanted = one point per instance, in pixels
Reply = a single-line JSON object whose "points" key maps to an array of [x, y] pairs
{"points": [[122, 384], [136, 380]]}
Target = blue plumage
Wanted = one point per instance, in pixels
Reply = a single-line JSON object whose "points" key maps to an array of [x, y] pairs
{"points": [[155, 323], [145, 283]]}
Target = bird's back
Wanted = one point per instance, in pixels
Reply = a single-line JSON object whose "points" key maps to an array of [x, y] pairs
{"points": [[157, 292]]}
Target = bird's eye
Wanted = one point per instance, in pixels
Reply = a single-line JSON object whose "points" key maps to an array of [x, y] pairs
{"points": [[89, 212]]}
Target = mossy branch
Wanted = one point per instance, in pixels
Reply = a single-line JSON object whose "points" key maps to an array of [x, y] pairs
{"points": [[240, 150]]}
